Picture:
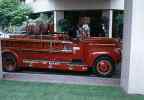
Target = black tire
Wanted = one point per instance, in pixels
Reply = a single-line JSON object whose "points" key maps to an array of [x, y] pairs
{"points": [[8, 62], [103, 67]]}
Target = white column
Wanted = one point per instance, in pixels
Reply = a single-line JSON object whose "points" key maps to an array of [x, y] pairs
{"points": [[1, 72], [58, 15], [110, 22], [132, 75]]}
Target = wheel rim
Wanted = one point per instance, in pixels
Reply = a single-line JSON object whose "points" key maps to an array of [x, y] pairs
{"points": [[104, 67]]}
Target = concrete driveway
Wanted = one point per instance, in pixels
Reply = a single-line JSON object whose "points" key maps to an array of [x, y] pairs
{"points": [[63, 77]]}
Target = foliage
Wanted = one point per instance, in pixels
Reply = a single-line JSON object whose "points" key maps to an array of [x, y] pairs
{"points": [[13, 12], [64, 25], [118, 24]]}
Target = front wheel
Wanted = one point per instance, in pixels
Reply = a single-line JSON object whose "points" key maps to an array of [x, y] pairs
{"points": [[8, 62], [103, 66]]}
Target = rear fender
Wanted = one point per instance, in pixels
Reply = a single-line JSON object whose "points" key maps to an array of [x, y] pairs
{"points": [[13, 53]]}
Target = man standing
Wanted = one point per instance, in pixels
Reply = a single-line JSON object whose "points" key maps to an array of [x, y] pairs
{"points": [[83, 28]]}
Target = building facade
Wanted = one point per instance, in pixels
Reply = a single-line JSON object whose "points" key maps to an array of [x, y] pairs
{"points": [[60, 7], [54, 5]]}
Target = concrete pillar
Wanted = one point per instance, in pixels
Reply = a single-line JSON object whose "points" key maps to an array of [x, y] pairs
{"points": [[58, 15], [133, 50], [1, 72], [108, 21]]}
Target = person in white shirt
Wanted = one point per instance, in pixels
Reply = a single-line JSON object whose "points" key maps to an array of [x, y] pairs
{"points": [[83, 28]]}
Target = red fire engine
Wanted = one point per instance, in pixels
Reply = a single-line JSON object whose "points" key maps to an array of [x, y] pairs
{"points": [[59, 52]]}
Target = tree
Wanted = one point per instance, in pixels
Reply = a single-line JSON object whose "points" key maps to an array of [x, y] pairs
{"points": [[13, 12]]}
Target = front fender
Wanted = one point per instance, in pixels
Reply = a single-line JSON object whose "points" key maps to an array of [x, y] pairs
{"points": [[94, 55]]}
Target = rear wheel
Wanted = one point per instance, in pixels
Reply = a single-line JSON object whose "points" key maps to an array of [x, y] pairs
{"points": [[8, 62], [104, 66]]}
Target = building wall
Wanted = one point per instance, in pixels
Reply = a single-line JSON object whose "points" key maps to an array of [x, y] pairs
{"points": [[41, 5], [50, 5], [117, 4], [133, 50], [81, 4], [127, 44]]}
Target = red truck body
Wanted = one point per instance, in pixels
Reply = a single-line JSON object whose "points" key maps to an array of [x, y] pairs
{"points": [[60, 53]]}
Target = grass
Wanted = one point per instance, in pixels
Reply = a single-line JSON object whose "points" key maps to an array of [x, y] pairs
{"points": [[12, 90]]}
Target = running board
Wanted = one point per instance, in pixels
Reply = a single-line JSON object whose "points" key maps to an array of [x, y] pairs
{"points": [[45, 61], [59, 65]]}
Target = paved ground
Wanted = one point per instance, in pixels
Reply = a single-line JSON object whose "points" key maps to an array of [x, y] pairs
{"points": [[65, 79]]}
